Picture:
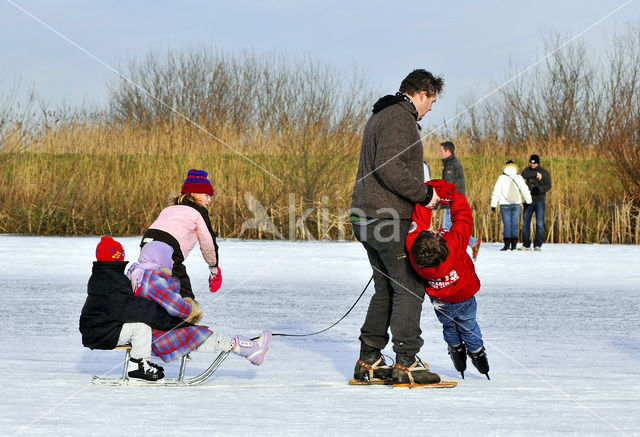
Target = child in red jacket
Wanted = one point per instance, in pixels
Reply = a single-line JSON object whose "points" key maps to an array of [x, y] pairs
{"points": [[440, 257]]}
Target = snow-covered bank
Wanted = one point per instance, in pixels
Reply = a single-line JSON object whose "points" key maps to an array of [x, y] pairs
{"points": [[560, 326]]}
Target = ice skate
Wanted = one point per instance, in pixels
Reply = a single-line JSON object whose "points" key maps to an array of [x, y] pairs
{"points": [[480, 361], [252, 350], [458, 355], [371, 369], [146, 370], [410, 371]]}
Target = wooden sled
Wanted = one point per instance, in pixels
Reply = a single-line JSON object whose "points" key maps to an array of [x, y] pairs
{"points": [[172, 382]]}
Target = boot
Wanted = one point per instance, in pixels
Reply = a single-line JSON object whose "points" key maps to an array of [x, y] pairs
{"points": [[507, 241], [480, 361], [371, 367], [410, 370], [514, 243], [146, 370], [252, 350], [458, 355]]}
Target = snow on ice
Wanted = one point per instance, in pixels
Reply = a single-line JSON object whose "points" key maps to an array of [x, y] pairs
{"points": [[560, 327]]}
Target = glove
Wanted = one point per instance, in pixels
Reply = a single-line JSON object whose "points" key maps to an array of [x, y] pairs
{"points": [[196, 311], [493, 209], [215, 279], [535, 191], [445, 190]]}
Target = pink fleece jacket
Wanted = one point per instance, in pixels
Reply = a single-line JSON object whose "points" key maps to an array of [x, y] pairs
{"points": [[187, 226]]}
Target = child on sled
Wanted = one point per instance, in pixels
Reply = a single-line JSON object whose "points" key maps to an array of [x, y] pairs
{"points": [[440, 257], [185, 222], [151, 278], [114, 316]]}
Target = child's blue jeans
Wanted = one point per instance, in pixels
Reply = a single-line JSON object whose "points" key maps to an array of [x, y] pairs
{"points": [[459, 322]]}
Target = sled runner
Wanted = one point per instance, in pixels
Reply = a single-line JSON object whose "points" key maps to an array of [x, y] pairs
{"points": [[173, 382]]}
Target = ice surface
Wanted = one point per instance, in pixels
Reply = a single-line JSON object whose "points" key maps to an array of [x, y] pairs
{"points": [[560, 327]]}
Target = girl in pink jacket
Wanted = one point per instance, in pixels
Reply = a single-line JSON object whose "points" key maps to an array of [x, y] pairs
{"points": [[185, 222]]}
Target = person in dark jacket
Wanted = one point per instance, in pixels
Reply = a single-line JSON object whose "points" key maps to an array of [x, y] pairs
{"points": [[388, 184], [453, 172], [113, 316], [539, 182]]}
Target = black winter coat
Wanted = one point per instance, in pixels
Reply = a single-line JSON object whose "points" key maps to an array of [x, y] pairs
{"points": [[452, 172], [538, 187], [111, 303]]}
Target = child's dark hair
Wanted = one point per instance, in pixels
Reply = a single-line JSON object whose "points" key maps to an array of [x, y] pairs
{"points": [[429, 249]]}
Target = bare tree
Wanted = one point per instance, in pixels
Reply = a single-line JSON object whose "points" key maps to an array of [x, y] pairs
{"points": [[16, 119]]}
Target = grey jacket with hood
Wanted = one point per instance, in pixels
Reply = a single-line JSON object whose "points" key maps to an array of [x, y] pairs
{"points": [[390, 171]]}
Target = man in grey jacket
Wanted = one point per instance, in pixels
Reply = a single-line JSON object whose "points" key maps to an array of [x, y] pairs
{"points": [[453, 172], [388, 185]]}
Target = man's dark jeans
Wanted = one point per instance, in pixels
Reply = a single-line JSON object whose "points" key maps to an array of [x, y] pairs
{"points": [[538, 208], [399, 291]]}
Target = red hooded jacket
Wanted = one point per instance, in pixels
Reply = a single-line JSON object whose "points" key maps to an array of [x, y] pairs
{"points": [[455, 279]]}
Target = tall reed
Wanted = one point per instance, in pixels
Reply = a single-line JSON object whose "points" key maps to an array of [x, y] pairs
{"points": [[86, 179]]}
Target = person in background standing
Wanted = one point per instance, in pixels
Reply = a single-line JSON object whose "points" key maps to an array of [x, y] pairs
{"points": [[452, 172], [539, 182], [508, 192]]}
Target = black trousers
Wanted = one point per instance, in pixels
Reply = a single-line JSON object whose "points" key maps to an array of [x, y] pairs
{"points": [[179, 271], [399, 291]]}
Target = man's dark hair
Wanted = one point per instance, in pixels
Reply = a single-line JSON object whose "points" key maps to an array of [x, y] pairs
{"points": [[422, 80], [429, 249], [448, 145]]}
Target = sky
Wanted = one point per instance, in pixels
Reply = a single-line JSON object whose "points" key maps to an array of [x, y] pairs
{"points": [[471, 43]]}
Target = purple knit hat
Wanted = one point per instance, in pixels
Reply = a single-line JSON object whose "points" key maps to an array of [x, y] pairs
{"points": [[197, 182]]}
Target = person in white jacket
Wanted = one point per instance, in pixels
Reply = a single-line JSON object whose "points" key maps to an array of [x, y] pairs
{"points": [[508, 192]]}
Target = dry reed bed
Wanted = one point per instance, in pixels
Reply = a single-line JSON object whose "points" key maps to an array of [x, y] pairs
{"points": [[80, 179]]}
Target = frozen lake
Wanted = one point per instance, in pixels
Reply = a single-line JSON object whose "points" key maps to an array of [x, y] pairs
{"points": [[560, 328]]}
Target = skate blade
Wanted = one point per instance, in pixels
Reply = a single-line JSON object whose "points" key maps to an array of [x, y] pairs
{"points": [[372, 382], [441, 384]]}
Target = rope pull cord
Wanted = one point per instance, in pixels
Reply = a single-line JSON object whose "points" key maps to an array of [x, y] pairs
{"points": [[331, 326]]}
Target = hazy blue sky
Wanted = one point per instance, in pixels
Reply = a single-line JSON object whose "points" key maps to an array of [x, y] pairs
{"points": [[471, 43]]}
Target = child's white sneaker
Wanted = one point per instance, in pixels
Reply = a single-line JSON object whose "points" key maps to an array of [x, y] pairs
{"points": [[252, 350]]}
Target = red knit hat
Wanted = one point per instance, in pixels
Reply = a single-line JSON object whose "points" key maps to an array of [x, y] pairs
{"points": [[109, 249], [197, 182]]}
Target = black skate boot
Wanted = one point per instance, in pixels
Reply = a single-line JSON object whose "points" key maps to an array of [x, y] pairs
{"points": [[479, 359], [458, 355], [157, 366], [514, 243], [506, 244], [371, 369], [146, 370], [410, 371]]}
